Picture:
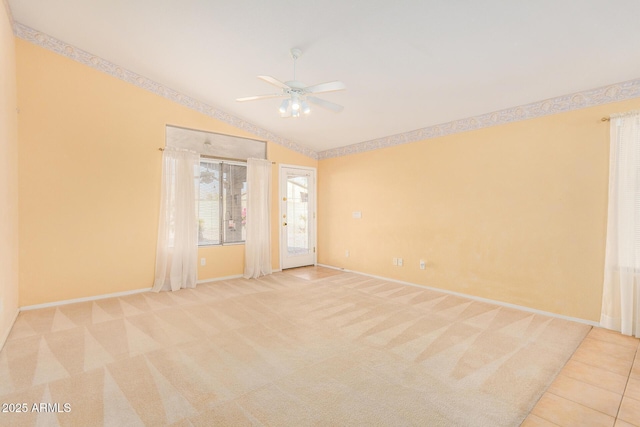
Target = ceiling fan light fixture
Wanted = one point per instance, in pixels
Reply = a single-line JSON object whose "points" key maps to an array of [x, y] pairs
{"points": [[284, 106], [295, 113], [295, 102], [305, 108]]}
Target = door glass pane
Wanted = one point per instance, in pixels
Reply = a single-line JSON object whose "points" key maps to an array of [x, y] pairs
{"points": [[297, 215]]}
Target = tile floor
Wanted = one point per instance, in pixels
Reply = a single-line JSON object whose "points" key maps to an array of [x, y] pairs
{"points": [[599, 385]]}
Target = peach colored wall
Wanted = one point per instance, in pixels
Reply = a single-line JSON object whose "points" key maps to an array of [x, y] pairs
{"points": [[515, 213], [90, 180], [221, 261], [8, 178]]}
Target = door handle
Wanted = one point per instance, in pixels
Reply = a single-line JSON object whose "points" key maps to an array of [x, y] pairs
{"points": [[284, 224]]}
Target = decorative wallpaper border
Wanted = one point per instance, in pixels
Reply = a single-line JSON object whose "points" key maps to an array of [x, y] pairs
{"points": [[79, 55], [575, 101], [599, 96]]}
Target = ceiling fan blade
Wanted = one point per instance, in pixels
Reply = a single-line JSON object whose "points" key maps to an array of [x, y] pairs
{"points": [[257, 97], [326, 87], [274, 81], [325, 104]]}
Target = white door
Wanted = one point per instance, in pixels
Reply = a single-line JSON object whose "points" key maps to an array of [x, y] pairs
{"points": [[297, 216]]}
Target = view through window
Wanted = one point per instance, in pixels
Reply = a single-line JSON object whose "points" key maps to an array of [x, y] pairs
{"points": [[222, 202]]}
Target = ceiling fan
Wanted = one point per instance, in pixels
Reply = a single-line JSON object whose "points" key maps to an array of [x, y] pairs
{"points": [[298, 94]]}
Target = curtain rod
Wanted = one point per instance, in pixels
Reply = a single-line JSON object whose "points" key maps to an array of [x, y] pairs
{"points": [[162, 149]]}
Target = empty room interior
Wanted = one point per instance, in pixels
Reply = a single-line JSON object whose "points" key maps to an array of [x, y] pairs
{"points": [[439, 227]]}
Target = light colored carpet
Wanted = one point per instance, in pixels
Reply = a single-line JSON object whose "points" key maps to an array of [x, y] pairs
{"points": [[303, 347]]}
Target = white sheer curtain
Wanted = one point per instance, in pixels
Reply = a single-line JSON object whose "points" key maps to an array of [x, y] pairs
{"points": [[621, 293], [177, 250], [257, 258]]}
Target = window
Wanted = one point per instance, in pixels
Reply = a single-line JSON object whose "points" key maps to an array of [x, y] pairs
{"points": [[222, 203]]}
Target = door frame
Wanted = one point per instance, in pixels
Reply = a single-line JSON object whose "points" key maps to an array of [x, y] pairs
{"points": [[313, 235]]}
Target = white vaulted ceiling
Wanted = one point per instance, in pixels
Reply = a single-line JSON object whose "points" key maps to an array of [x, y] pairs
{"points": [[407, 64]]}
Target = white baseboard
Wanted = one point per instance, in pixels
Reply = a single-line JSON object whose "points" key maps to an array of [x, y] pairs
{"points": [[83, 299], [217, 279], [341, 269], [473, 297], [4, 337], [235, 276], [115, 294]]}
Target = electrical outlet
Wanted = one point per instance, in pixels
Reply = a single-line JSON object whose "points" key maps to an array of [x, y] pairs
{"points": [[423, 264], [395, 261], [400, 262], [346, 254], [203, 261]]}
